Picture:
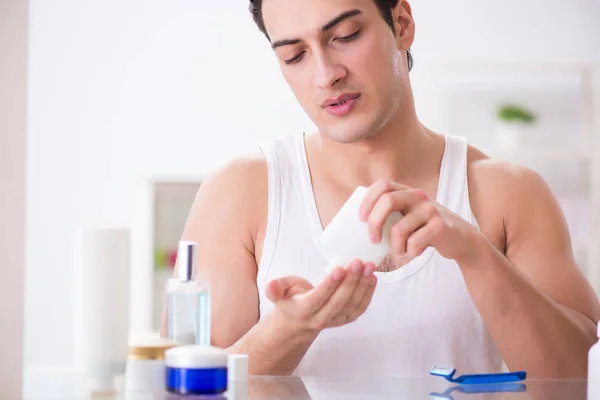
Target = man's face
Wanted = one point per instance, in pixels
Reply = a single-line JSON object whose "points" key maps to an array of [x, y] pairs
{"points": [[342, 61]]}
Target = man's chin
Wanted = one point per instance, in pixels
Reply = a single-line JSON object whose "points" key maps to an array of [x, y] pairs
{"points": [[347, 135]]}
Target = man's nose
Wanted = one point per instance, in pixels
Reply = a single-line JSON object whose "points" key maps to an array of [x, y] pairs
{"points": [[328, 72]]}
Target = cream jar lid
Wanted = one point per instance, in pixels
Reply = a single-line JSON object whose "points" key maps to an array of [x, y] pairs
{"points": [[196, 357], [149, 349]]}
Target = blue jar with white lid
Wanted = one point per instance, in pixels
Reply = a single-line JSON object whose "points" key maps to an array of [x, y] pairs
{"points": [[193, 369]]}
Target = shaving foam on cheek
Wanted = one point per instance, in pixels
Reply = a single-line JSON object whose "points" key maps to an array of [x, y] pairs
{"points": [[347, 237]]}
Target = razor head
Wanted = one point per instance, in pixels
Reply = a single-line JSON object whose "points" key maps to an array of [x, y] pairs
{"points": [[447, 373]]}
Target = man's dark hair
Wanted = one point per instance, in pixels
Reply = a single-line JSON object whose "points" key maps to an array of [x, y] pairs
{"points": [[384, 6]]}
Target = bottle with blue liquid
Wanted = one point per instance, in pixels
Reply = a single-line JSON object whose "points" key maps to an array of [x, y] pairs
{"points": [[188, 301]]}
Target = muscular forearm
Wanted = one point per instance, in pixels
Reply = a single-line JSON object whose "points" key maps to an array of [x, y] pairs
{"points": [[273, 347], [532, 331]]}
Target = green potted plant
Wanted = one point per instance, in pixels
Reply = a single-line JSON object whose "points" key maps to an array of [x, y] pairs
{"points": [[514, 120]]}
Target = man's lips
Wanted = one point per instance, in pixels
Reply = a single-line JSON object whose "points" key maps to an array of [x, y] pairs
{"points": [[339, 100]]}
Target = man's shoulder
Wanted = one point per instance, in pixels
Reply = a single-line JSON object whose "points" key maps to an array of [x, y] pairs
{"points": [[255, 162], [243, 168], [236, 193], [504, 183], [239, 179], [500, 176], [252, 167], [502, 192]]}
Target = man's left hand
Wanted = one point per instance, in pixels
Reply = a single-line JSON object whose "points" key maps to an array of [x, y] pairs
{"points": [[425, 223]]}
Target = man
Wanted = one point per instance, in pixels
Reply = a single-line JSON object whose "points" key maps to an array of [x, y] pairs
{"points": [[481, 274]]}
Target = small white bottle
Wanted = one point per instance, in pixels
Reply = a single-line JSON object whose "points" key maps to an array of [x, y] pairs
{"points": [[593, 383], [188, 301], [145, 374], [347, 237]]}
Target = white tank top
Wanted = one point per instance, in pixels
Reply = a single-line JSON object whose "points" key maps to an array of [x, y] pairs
{"points": [[421, 314]]}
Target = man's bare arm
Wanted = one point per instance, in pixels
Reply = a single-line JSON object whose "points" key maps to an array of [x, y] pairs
{"points": [[224, 222], [221, 221], [537, 305]]}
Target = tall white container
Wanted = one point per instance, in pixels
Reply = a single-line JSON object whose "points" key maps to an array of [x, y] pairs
{"points": [[104, 268], [593, 383]]}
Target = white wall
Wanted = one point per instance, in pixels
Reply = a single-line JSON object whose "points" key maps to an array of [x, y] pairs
{"points": [[534, 30], [13, 89], [127, 88]]}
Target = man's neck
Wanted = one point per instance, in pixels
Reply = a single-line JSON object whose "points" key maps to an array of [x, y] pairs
{"points": [[404, 152]]}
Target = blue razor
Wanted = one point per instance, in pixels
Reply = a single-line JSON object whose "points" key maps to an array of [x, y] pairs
{"points": [[472, 379]]}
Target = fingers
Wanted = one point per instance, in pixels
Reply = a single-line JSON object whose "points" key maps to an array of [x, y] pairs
{"points": [[357, 296], [365, 301], [275, 290], [424, 237], [408, 225], [374, 193], [402, 201], [316, 298], [287, 286], [337, 300], [341, 296]]}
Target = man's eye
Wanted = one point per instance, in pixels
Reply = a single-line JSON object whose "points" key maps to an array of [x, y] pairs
{"points": [[349, 38], [295, 59]]}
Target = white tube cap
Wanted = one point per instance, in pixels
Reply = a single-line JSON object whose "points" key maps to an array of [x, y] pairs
{"points": [[237, 368], [195, 357]]}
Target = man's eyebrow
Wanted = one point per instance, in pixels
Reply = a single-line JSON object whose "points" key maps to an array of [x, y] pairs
{"points": [[343, 16], [284, 42], [340, 18]]}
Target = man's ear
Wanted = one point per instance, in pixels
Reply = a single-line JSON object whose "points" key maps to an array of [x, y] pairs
{"points": [[404, 25]]}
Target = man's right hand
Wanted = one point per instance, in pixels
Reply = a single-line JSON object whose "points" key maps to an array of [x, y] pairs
{"points": [[339, 299]]}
